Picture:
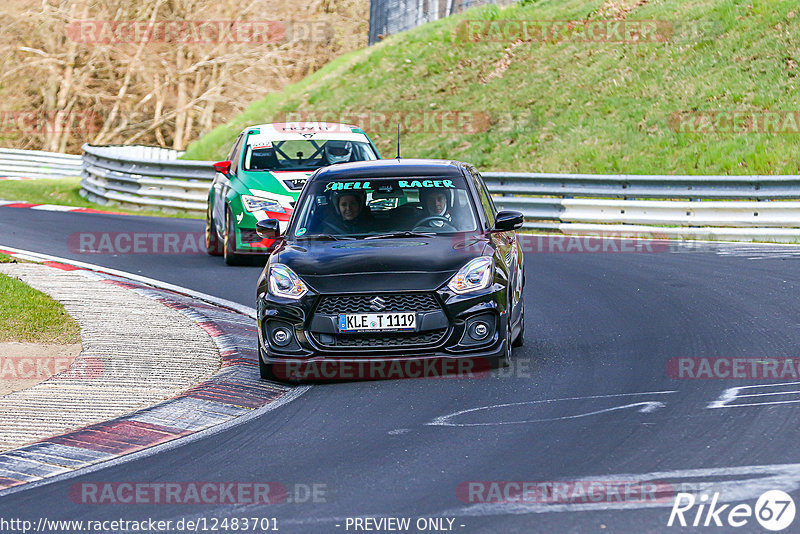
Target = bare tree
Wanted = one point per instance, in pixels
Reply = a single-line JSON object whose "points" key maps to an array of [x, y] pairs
{"points": [[69, 64]]}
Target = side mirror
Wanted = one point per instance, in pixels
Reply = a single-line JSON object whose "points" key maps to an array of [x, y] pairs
{"points": [[268, 229], [223, 167], [508, 220]]}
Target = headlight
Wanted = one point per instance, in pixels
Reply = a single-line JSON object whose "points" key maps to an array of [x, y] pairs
{"points": [[251, 203], [475, 275], [283, 282]]}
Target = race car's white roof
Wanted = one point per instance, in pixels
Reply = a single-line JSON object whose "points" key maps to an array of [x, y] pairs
{"points": [[286, 131]]}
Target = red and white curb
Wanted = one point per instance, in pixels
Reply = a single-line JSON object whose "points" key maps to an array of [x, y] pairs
{"points": [[53, 207], [234, 392], [132, 357]]}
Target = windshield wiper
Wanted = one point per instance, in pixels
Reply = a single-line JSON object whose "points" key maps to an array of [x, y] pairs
{"points": [[402, 234], [326, 237]]}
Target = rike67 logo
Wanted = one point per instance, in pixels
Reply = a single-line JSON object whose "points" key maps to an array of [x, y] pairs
{"points": [[774, 510]]}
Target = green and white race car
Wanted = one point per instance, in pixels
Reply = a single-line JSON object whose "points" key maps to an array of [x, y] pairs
{"points": [[267, 167]]}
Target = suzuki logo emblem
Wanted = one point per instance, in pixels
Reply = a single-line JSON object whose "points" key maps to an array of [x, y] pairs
{"points": [[377, 304]]}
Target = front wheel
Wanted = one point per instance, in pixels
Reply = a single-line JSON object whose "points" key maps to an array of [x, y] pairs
{"points": [[504, 360], [213, 242], [266, 370], [520, 339], [229, 248]]}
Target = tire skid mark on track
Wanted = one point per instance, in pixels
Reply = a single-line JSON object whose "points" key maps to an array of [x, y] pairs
{"points": [[234, 391], [644, 407]]}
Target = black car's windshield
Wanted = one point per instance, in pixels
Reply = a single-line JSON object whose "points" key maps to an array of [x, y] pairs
{"points": [[304, 155], [385, 207]]}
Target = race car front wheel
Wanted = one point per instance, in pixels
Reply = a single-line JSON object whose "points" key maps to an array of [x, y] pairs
{"points": [[213, 242], [229, 248]]}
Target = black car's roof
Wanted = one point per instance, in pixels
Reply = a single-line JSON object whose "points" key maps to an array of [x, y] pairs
{"points": [[390, 168]]}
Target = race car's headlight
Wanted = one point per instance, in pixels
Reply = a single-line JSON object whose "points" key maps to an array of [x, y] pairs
{"points": [[283, 282], [475, 275], [251, 203]]}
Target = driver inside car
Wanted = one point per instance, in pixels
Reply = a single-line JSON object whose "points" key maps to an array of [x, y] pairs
{"points": [[337, 152], [437, 208], [350, 213]]}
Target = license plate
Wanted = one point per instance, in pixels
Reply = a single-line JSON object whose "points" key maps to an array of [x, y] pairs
{"points": [[361, 322]]}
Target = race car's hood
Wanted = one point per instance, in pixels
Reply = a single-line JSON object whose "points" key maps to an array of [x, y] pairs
{"points": [[391, 264], [292, 181]]}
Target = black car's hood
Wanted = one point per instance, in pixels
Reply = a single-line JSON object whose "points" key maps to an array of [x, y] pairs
{"points": [[390, 264]]}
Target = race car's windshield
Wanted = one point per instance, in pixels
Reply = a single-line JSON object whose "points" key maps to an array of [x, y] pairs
{"points": [[384, 207], [304, 155]]}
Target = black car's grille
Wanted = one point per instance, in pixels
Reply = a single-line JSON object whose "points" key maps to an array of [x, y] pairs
{"points": [[394, 302], [383, 339]]}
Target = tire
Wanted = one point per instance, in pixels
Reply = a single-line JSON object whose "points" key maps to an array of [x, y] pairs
{"points": [[229, 246], [213, 242], [520, 339], [266, 370], [504, 360]]}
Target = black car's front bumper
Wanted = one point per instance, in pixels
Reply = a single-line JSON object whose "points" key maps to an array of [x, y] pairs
{"points": [[445, 332]]}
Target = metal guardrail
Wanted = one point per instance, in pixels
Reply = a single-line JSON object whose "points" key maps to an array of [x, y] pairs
{"points": [[709, 207], [145, 177], [37, 164], [645, 186], [739, 208]]}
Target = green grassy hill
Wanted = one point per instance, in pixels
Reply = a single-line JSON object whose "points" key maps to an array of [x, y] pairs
{"points": [[561, 106]]}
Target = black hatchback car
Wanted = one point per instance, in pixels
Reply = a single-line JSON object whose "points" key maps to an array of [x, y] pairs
{"points": [[390, 268]]}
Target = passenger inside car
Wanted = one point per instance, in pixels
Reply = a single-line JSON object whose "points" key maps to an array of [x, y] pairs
{"points": [[350, 214]]}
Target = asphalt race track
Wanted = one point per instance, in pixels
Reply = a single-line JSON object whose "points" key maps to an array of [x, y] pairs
{"points": [[588, 396]]}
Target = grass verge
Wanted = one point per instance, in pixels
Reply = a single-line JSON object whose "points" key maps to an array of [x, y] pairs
{"points": [[569, 106], [30, 316]]}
